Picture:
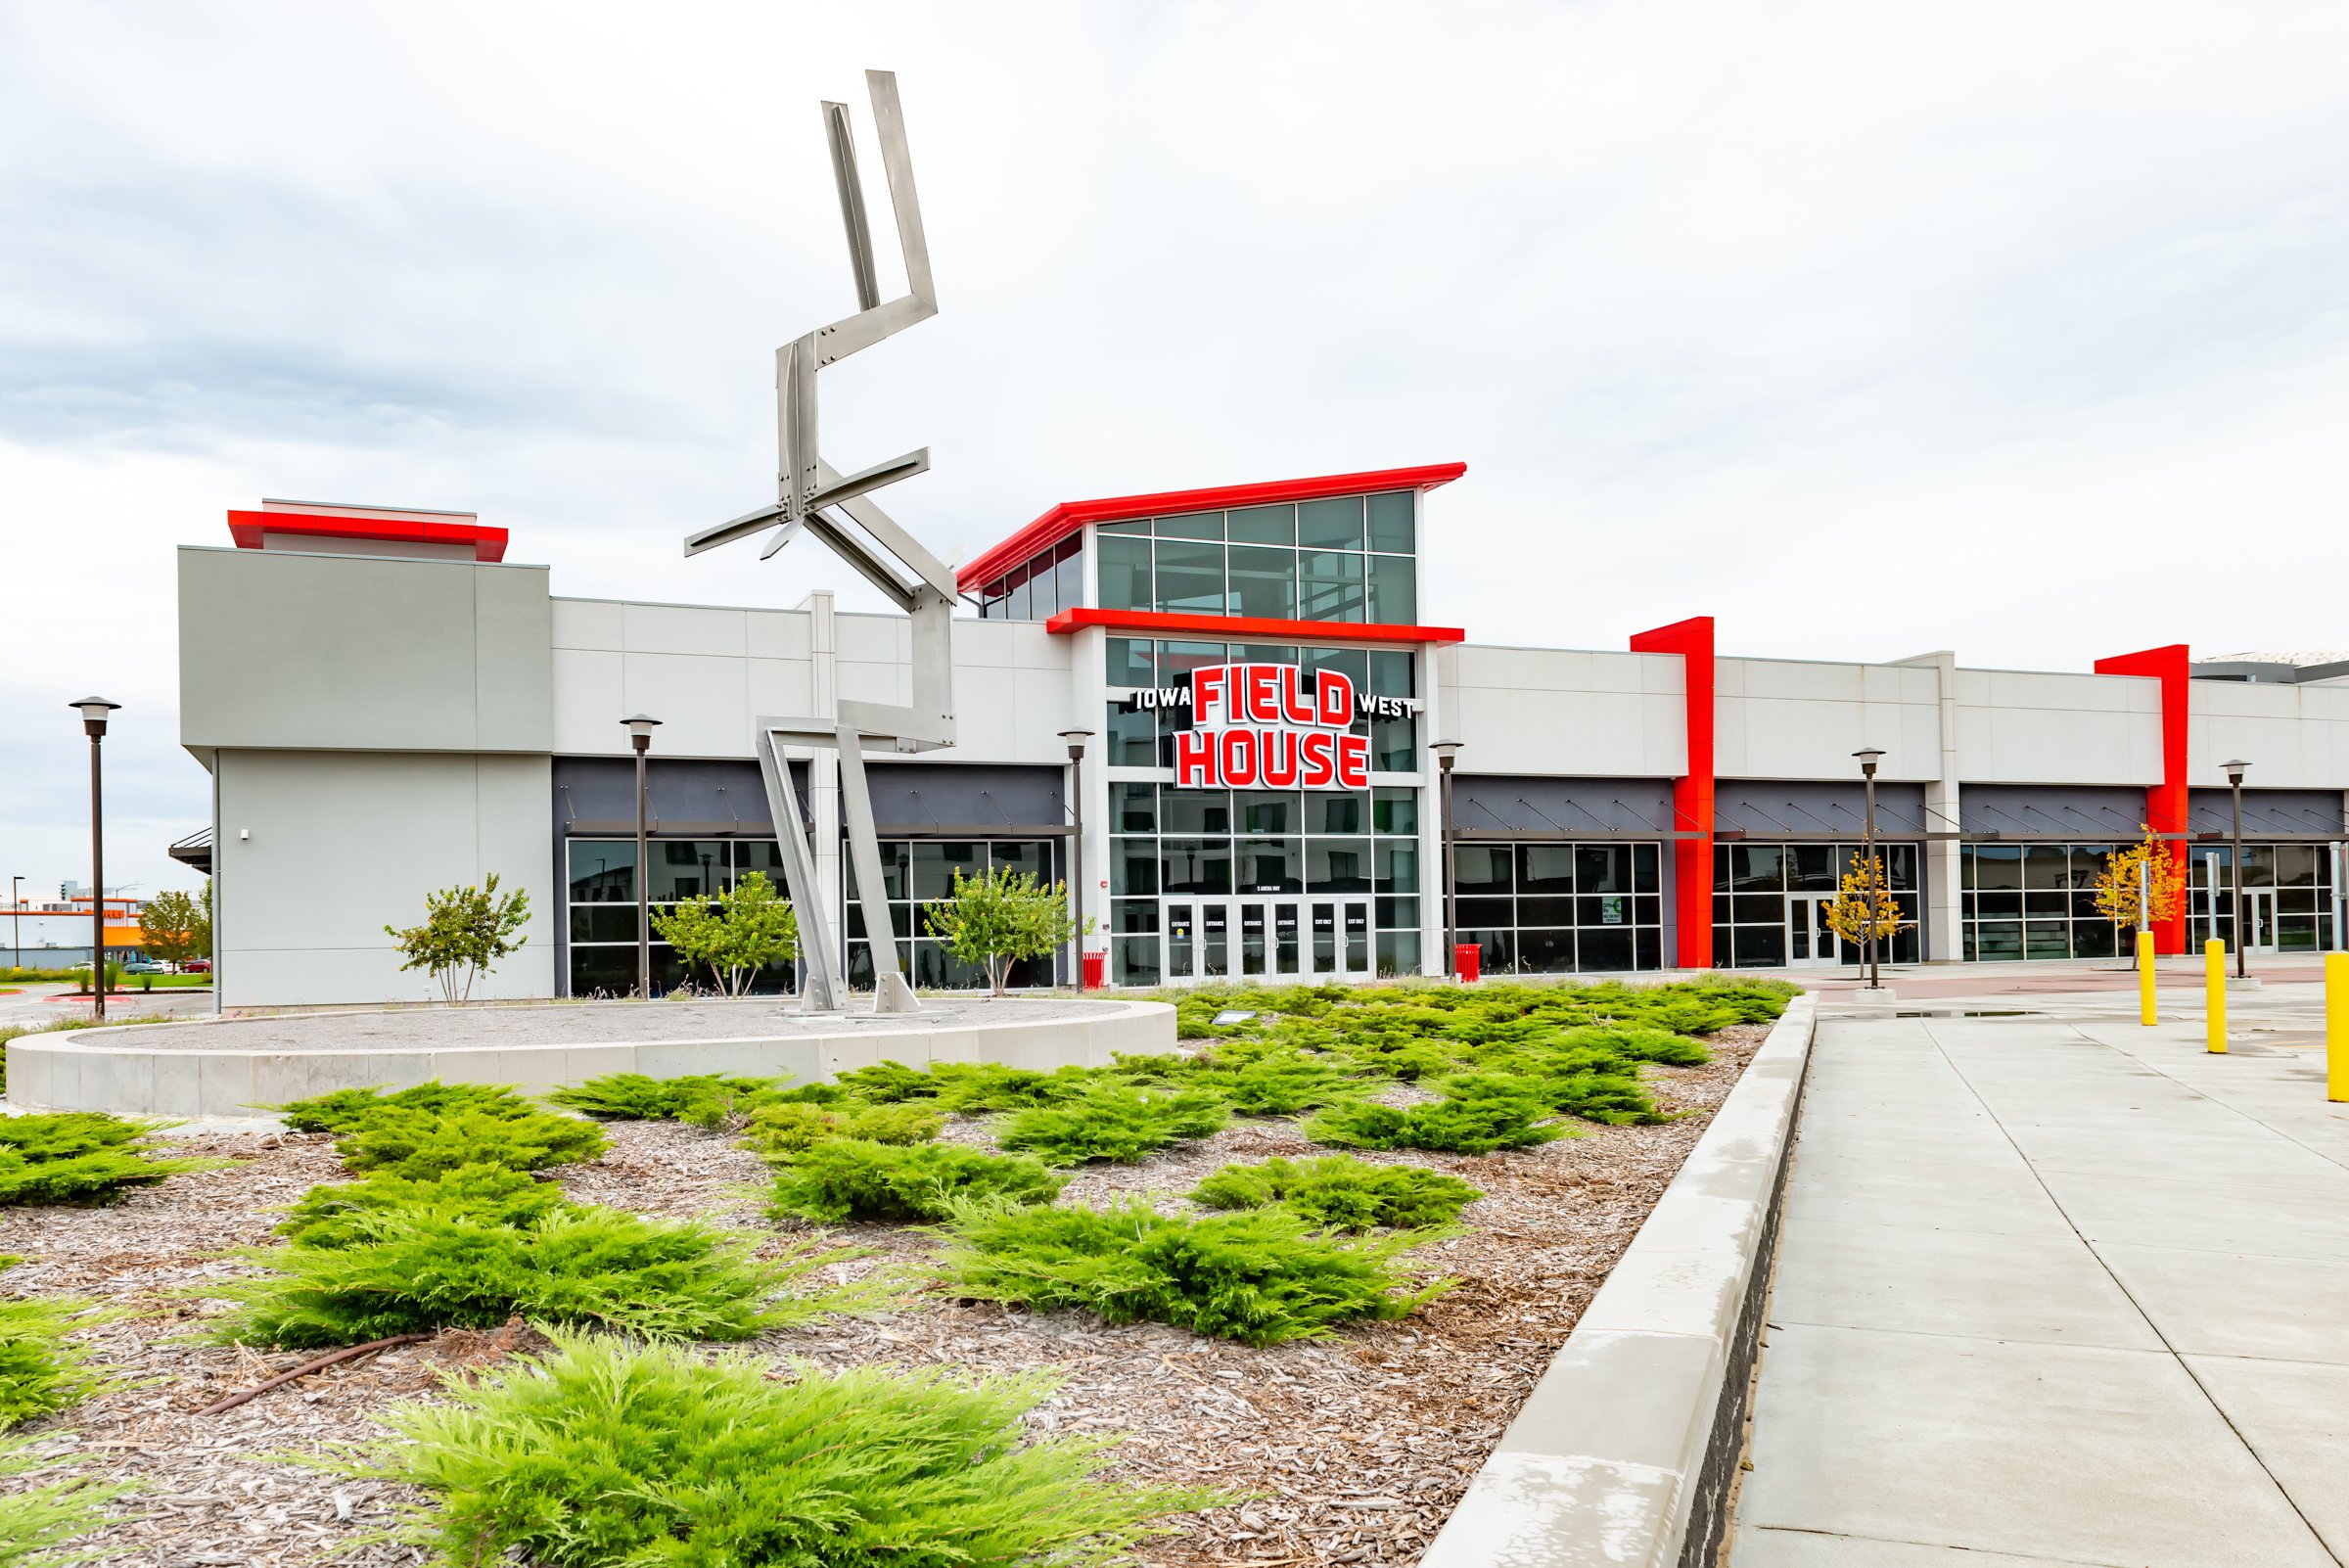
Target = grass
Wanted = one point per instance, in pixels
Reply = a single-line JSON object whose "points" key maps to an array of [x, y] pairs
{"points": [[82, 1157], [1113, 1122], [850, 1178], [601, 1454], [411, 1271], [1260, 1277], [1342, 1192]]}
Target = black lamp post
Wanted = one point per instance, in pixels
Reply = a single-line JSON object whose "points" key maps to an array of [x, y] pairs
{"points": [[1446, 751], [640, 736], [16, 920], [93, 725], [1869, 756], [2242, 933], [1077, 739]]}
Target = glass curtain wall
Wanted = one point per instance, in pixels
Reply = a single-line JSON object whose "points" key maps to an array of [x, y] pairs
{"points": [[2038, 901], [1193, 844], [1349, 558], [1556, 907], [920, 874], [1038, 589], [1756, 886], [602, 906]]}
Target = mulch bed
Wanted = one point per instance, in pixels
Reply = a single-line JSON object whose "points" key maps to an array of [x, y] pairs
{"points": [[1349, 1450]]}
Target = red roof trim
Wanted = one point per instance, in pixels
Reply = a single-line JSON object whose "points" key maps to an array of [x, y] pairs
{"points": [[1254, 627], [247, 529], [1070, 515]]}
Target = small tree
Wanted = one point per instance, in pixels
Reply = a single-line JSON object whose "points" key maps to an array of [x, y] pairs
{"points": [[1002, 916], [1865, 906], [465, 932], [740, 932], [2118, 890], [176, 927]]}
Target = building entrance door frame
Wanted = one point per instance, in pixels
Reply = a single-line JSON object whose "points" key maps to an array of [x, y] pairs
{"points": [[2259, 913], [1811, 942], [1279, 937]]}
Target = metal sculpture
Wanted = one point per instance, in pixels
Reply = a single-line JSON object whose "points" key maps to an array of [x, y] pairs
{"points": [[813, 497]]}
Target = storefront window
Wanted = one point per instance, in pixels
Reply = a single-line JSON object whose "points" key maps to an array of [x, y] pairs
{"points": [[1348, 558], [1766, 898], [601, 925]]}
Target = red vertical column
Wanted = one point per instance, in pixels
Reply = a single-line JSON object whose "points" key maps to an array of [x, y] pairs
{"points": [[2165, 802], [1692, 790]]}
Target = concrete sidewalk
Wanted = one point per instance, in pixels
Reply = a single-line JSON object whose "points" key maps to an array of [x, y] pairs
{"points": [[2057, 1292]]}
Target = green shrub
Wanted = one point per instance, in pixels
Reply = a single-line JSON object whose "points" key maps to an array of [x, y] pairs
{"points": [[353, 1108], [887, 1084], [414, 1142], [1277, 1084], [82, 1157], [601, 1454], [405, 1273], [1449, 1125], [1260, 1276], [481, 1194], [705, 1099], [1638, 1042], [783, 1130], [1113, 1122], [967, 1086], [41, 1369], [850, 1178], [1339, 1190], [36, 1520]]}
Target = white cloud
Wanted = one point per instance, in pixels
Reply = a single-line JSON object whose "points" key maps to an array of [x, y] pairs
{"points": [[2018, 329]]}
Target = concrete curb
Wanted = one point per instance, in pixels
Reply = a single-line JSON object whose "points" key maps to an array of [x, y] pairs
{"points": [[102, 1070], [1627, 1449]]}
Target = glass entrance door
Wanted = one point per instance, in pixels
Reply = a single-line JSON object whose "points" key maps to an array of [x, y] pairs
{"points": [[2259, 913], [1811, 942], [1280, 941]]}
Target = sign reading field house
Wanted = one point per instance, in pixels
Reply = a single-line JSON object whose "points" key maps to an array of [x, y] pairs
{"points": [[1262, 725]]}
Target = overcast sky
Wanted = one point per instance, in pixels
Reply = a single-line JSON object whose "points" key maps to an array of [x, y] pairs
{"points": [[1868, 329]]}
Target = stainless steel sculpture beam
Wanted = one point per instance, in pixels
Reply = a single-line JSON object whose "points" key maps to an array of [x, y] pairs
{"points": [[813, 497]]}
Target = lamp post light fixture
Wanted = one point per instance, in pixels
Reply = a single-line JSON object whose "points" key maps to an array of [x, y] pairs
{"points": [[1869, 756], [16, 920], [2242, 937], [1077, 739], [1446, 751], [93, 725], [640, 736]]}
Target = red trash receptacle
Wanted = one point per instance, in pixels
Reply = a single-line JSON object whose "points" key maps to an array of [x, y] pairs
{"points": [[1467, 962], [1096, 971]]}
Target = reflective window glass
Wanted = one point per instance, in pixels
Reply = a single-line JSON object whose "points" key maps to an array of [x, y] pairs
{"points": [[1390, 518], [1394, 590], [1264, 583], [1190, 525], [1124, 575], [1264, 524], [1190, 577], [1331, 525], [1330, 586], [1395, 810], [1130, 664]]}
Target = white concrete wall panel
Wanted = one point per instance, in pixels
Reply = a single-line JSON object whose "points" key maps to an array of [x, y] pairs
{"points": [[1802, 719], [1564, 711], [280, 649], [343, 844], [2295, 737], [2021, 727]]}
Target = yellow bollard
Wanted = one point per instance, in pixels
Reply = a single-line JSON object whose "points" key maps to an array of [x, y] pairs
{"points": [[2145, 979], [2214, 991], [2337, 1026]]}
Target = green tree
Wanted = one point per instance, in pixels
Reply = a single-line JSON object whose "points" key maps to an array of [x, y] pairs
{"points": [[1000, 916], [465, 932], [747, 928], [176, 927]]}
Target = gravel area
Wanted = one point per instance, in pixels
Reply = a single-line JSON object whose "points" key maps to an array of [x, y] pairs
{"points": [[1350, 1450], [527, 1024]]}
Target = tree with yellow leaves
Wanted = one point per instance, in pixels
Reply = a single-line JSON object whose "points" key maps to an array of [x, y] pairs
{"points": [[2118, 888], [1866, 905]]}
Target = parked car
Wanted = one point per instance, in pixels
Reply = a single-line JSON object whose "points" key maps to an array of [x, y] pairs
{"points": [[146, 966], [197, 966]]}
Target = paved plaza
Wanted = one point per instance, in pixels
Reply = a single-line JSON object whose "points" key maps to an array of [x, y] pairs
{"points": [[2060, 1289]]}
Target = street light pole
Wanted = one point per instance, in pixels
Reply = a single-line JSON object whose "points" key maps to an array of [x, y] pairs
{"points": [[93, 725], [640, 736], [1077, 739], [1446, 751], [1869, 756], [2242, 936], [16, 921]]}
